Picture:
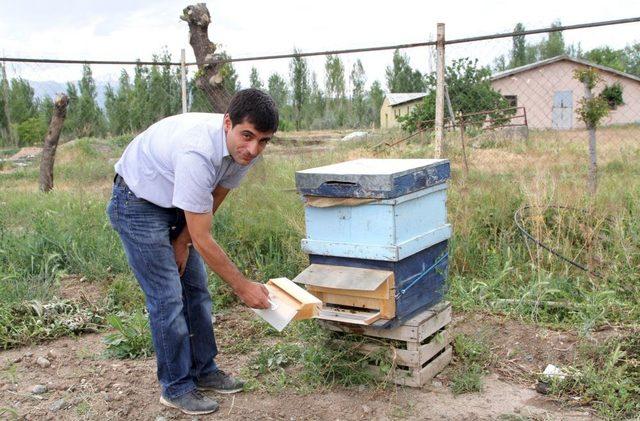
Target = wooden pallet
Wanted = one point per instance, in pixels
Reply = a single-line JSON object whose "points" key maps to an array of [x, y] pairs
{"points": [[419, 348]]}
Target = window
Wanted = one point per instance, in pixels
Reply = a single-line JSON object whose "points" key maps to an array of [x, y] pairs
{"points": [[512, 100]]}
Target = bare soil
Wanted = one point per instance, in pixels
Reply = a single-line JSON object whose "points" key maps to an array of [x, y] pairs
{"points": [[82, 384]]}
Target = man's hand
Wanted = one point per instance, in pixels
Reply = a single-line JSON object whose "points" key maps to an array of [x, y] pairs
{"points": [[253, 294], [181, 251]]}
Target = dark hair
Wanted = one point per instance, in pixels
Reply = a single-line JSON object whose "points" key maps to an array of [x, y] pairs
{"points": [[257, 107]]}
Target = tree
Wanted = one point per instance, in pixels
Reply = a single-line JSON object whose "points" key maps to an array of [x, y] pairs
{"points": [[632, 59], [335, 90], [359, 106], [519, 50], [23, 104], [607, 56], [254, 79], [210, 78], [278, 90], [591, 111], [554, 45], [229, 76], [376, 98], [89, 117], [470, 91], [316, 110], [401, 77], [117, 105], [299, 74]]}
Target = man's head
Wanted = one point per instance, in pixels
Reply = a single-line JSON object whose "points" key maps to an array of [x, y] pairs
{"points": [[250, 122]]}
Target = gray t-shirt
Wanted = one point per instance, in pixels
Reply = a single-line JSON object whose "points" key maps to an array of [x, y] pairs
{"points": [[179, 161]]}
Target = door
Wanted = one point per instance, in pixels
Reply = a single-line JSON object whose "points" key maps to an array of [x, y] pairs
{"points": [[562, 112]]}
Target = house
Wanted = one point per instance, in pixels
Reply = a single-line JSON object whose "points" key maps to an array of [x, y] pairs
{"points": [[395, 105], [551, 95]]}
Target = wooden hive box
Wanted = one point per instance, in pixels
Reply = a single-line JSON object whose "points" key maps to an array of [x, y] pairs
{"points": [[352, 295], [373, 178], [420, 279], [389, 229]]}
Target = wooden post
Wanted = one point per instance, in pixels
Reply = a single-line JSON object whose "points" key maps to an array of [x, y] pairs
{"points": [[464, 149], [183, 79], [7, 111], [439, 123], [51, 142]]}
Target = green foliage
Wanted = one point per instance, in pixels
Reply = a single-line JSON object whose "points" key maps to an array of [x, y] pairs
{"points": [[606, 376], [299, 77], [315, 363], [588, 76], [358, 94], [132, 337], [470, 91], [613, 95], [474, 357], [124, 295], [590, 110], [518, 51], [84, 116], [401, 77], [254, 79], [31, 131], [229, 75], [33, 321], [376, 98], [606, 56], [23, 103]]}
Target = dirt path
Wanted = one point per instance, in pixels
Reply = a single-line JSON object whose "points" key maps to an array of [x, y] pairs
{"points": [[81, 384]]}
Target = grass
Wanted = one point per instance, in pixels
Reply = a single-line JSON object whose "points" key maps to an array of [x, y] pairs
{"points": [[473, 357], [46, 236], [131, 337], [606, 376]]}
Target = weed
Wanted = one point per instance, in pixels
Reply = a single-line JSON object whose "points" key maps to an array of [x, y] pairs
{"points": [[474, 357], [131, 339], [34, 321], [125, 295], [607, 377]]}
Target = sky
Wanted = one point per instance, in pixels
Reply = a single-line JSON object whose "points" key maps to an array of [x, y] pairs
{"points": [[132, 29]]}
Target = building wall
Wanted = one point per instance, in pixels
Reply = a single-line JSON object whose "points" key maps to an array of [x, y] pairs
{"points": [[535, 90], [389, 114]]}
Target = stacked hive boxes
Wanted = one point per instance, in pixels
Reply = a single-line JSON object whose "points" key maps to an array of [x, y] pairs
{"points": [[377, 237]]}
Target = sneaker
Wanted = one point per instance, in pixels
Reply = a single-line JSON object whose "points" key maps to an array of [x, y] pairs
{"points": [[220, 382], [192, 403]]}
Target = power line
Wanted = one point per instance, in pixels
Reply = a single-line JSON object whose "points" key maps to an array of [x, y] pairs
{"points": [[336, 52]]}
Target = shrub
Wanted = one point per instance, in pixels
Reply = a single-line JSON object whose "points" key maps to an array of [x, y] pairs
{"points": [[31, 131]]}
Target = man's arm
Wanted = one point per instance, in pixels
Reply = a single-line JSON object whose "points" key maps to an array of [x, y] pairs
{"points": [[253, 294], [219, 195]]}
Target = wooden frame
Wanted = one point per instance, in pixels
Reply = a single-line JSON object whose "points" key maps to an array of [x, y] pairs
{"points": [[424, 351]]}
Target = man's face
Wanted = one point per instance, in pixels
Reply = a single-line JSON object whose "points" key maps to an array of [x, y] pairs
{"points": [[244, 141]]}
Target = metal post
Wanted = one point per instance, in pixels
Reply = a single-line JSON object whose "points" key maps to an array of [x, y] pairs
{"points": [[183, 77], [439, 123]]}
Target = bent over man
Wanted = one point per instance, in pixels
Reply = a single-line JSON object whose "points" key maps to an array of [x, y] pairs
{"points": [[169, 182]]}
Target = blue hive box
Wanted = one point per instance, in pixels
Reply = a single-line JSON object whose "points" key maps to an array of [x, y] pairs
{"points": [[373, 178], [420, 279], [387, 229]]}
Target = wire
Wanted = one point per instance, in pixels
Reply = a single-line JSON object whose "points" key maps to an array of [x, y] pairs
{"points": [[345, 51], [517, 217]]}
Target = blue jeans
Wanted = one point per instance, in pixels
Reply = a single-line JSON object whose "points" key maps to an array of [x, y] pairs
{"points": [[179, 307]]}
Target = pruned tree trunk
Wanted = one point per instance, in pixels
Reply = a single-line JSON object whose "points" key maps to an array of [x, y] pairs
{"points": [[209, 78], [51, 142]]}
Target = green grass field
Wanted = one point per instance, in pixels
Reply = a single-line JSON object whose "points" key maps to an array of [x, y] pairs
{"points": [[45, 237]]}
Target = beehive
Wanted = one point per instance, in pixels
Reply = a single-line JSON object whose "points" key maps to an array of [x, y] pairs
{"points": [[377, 237]]}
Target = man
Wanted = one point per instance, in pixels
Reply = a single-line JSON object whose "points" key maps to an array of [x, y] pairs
{"points": [[169, 183]]}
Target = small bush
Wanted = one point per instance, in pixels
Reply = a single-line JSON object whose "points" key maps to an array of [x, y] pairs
{"points": [[31, 131], [33, 321], [132, 338]]}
